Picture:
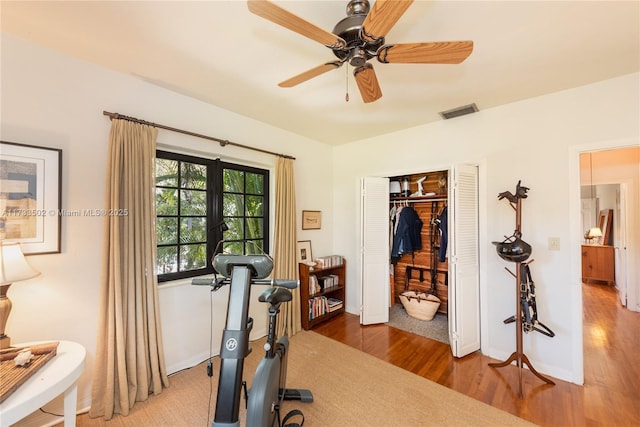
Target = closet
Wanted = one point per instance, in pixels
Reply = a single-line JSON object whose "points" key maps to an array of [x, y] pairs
{"points": [[425, 269], [457, 277]]}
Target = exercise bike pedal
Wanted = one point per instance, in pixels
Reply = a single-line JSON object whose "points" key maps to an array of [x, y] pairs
{"points": [[298, 394]]}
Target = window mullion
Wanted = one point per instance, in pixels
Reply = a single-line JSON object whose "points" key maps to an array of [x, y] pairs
{"points": [[179, 218]]}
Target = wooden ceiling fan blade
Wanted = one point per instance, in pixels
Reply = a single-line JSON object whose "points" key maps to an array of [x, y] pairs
{"points": [[274, 13], [383, 16], [367, 83], [426, 53], [309, 74]]}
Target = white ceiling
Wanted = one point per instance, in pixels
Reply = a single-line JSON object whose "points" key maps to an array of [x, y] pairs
{"points": [[220, 53]]}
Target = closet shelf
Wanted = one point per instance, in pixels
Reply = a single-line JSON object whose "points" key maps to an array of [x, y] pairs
{"points": [[434, 198]]}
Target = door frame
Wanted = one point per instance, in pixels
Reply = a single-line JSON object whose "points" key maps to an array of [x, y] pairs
{"points": [[620, 246], [482, 233], [575, 237]]}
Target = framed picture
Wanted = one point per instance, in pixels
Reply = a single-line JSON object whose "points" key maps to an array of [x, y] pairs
{"points": [[304, 251], [311, 220], [30, 182]]}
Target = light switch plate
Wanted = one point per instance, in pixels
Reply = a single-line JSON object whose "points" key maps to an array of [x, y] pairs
{"points": [[554, 243]]}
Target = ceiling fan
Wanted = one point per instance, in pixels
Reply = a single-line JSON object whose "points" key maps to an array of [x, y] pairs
{"points": [[361, 36]]}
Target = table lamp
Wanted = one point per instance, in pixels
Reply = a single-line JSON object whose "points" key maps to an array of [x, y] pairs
{"points": [[594, 233], [13, 268]]}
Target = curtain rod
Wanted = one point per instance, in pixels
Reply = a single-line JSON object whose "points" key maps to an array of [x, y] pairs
{"points": [[223, 142]]}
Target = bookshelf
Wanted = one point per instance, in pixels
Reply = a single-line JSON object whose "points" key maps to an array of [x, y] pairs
{"points": [[325, 299]]}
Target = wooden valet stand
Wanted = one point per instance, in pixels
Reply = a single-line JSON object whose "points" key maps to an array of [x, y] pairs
{"points": [[518, 356]]}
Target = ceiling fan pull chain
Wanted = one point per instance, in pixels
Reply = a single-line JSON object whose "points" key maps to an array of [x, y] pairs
{"points": [[346, 96]]}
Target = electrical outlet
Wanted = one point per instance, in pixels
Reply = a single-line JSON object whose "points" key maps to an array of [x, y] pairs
{"points": [[554, 243]]}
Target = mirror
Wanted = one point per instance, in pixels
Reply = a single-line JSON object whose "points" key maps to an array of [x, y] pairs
{"points": [[605, 223]]}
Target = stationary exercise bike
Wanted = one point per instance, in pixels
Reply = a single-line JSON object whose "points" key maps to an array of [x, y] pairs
{"points": [[268, 389]]}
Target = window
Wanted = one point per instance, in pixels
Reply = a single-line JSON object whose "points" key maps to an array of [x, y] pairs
{"points": [[194, 197], [245, 209]]}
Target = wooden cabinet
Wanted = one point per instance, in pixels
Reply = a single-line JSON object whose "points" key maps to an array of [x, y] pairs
{"points": [[320, 303], [598, 263]]}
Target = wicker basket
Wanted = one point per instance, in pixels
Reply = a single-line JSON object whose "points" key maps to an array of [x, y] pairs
{"points": [[419, 304]]}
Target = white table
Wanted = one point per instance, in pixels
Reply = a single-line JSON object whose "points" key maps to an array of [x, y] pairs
{"points": [[59, 375]]}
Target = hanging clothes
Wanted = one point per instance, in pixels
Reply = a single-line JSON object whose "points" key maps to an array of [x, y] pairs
{"points": [[407, 237], [443, 225]]}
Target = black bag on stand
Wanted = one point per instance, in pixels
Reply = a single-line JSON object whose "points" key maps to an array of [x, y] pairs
{"points": [[528, 305]]}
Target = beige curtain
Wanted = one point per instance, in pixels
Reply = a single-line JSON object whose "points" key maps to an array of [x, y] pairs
{"points": [[130, 361], [284, 245]]}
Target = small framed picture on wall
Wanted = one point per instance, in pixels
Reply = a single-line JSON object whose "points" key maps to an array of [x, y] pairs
{"points": [[304, 251], [311, 220]]}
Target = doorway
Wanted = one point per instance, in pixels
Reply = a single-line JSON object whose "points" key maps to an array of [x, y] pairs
{"points": [[605, 188], [462, 276], [615, 176], [418, 211]]}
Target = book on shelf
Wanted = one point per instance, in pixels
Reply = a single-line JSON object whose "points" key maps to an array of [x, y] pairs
{"points": [[328, 281], [323, 283], [334, 304], [314, 285], [319, 306], [329, 261]]}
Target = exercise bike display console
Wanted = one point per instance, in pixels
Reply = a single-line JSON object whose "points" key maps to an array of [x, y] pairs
{"points": [[268, 389], [260, 265]]}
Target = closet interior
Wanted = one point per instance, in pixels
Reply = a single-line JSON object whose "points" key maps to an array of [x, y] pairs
{"points": [[423, 269]]}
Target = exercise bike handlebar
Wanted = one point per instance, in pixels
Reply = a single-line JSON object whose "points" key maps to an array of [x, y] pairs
{"points": [[289, 284], [221, 281]]}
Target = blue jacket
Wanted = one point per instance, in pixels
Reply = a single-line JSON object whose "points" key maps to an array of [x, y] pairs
{"points": [[407, 237], [444, 240]]}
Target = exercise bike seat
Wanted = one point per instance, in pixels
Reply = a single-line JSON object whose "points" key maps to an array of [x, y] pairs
{"points": [[275, 296]]}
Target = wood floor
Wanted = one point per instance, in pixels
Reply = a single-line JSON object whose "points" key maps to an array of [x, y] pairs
{"points": [[609, 397]]}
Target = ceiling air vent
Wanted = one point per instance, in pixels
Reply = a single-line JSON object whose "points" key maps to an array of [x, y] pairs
{"points": [[459, 111]]}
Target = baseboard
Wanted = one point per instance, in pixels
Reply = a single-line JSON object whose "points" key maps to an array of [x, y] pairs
{"points": [[201, 357]]}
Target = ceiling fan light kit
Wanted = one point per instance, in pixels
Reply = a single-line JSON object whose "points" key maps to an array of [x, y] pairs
{"points": [[361, 36]]}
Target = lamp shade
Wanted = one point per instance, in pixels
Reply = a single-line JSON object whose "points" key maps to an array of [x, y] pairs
{"points": [[13, 265], [594, 232]]}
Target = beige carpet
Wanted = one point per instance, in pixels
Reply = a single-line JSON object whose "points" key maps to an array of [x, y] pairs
{"points": [[350, 388]]}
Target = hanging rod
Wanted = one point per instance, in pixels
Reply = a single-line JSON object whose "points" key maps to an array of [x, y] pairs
{"points": [[419, 199], [222, 142]]}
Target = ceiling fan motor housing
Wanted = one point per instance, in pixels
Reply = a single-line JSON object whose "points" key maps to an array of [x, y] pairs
{"points": [[358, 50]]}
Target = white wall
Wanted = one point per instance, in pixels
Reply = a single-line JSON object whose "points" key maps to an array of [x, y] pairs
{"points": [[529, 141], [52, 100]]}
